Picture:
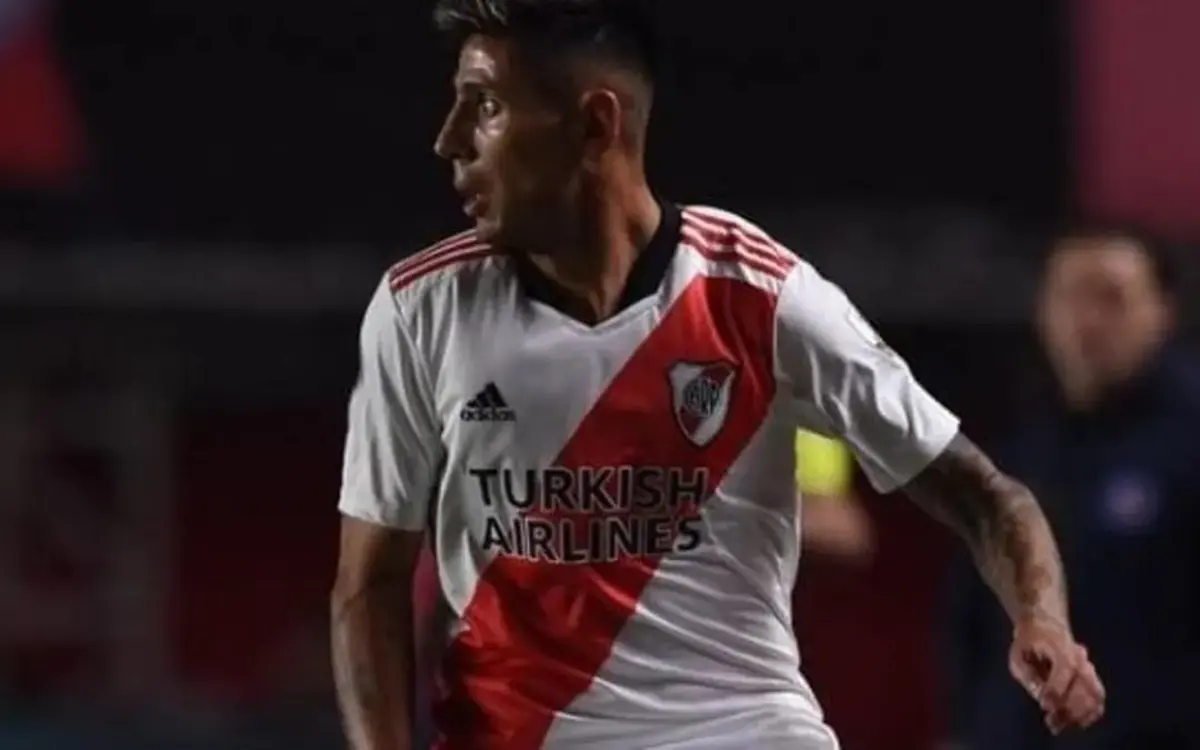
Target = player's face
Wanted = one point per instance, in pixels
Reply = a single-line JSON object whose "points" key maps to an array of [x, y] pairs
{"points": [[1102, 311], [515, 152]]}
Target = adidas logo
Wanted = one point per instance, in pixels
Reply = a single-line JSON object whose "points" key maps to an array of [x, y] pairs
{"points": [[488, 406]]}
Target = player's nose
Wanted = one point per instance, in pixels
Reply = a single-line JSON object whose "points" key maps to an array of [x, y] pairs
{"points": [[441, 145], [450, 143]]}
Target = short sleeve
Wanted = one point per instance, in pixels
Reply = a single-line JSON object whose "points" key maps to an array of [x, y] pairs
{"points": [[393, 443], [846, 382]]}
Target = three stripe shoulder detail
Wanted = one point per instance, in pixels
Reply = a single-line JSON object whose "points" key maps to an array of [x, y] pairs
{"points": [[725, 238], [452, 251]]}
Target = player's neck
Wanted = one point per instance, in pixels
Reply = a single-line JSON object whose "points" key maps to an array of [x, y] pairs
{"points": [[614, 230]]}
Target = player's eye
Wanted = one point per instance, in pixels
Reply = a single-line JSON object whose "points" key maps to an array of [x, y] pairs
{"points": [[488, 106]]}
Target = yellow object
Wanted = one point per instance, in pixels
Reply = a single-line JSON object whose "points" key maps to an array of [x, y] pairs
{"points": [[823, 466]]}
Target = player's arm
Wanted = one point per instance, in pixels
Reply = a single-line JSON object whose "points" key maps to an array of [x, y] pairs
{"points": [[373, 636], [390, 471], [846, 381], [1002, 524]]}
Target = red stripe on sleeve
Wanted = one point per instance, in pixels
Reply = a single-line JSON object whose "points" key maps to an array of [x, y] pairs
{"points": [[398, 281]]}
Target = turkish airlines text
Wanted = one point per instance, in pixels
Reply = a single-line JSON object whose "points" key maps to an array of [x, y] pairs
{"points": [[580, 516]]}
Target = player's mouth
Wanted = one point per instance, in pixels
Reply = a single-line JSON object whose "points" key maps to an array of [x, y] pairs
{"points": [[471, 196]]}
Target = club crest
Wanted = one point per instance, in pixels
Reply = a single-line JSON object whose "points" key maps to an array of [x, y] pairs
{"points": [[1131, 503], [700, 397]]}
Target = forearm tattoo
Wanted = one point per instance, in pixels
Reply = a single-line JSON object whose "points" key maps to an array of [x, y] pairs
{"points": [[1001, 521]]}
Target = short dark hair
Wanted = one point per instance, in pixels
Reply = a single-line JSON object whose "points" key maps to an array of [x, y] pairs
{"points": [[1161, 256], [619, 32]]}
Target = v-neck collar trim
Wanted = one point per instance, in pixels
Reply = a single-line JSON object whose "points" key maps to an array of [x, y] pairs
{"points": [[645, 278]]}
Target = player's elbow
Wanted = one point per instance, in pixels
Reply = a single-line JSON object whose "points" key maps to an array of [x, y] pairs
{"points": [[357, 585], [343, 595], [342, 598], [356, 604], [375, 565]]}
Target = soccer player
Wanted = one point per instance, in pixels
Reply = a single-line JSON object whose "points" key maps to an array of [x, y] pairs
{"points": [[587, 402]]}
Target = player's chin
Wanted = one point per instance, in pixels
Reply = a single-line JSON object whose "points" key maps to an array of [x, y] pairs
{"points": [[488, 229]]}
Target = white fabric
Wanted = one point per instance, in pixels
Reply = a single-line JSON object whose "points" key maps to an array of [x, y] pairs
{"points": [[846, 381], [393, 443]]}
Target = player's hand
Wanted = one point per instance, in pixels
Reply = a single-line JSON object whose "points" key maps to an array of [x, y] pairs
{"points": [[1056, 672]]}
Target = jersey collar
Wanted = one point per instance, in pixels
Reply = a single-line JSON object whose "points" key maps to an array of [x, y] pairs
{"points": [[645, 278]]}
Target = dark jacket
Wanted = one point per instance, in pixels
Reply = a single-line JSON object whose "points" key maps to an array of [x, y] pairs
{"points": [[1121, 486]]}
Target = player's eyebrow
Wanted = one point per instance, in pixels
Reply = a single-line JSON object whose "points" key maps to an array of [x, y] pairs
{"points": [[470, 84], [474, 74]]}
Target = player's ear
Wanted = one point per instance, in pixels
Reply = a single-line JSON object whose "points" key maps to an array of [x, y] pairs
{"points": [[603, 123]]}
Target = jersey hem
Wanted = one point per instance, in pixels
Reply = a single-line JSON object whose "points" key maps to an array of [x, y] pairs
{"points": [[355, 509], [933, 448]]}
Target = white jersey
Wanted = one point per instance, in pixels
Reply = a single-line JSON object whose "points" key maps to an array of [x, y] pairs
{"points": [[611, 506]]}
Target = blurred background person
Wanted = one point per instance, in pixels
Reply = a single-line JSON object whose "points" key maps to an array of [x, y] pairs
{"points": [[833, 520], [1116, 459]]}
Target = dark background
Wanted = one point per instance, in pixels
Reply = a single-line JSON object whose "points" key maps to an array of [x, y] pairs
{"points": [[312, 120]]}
